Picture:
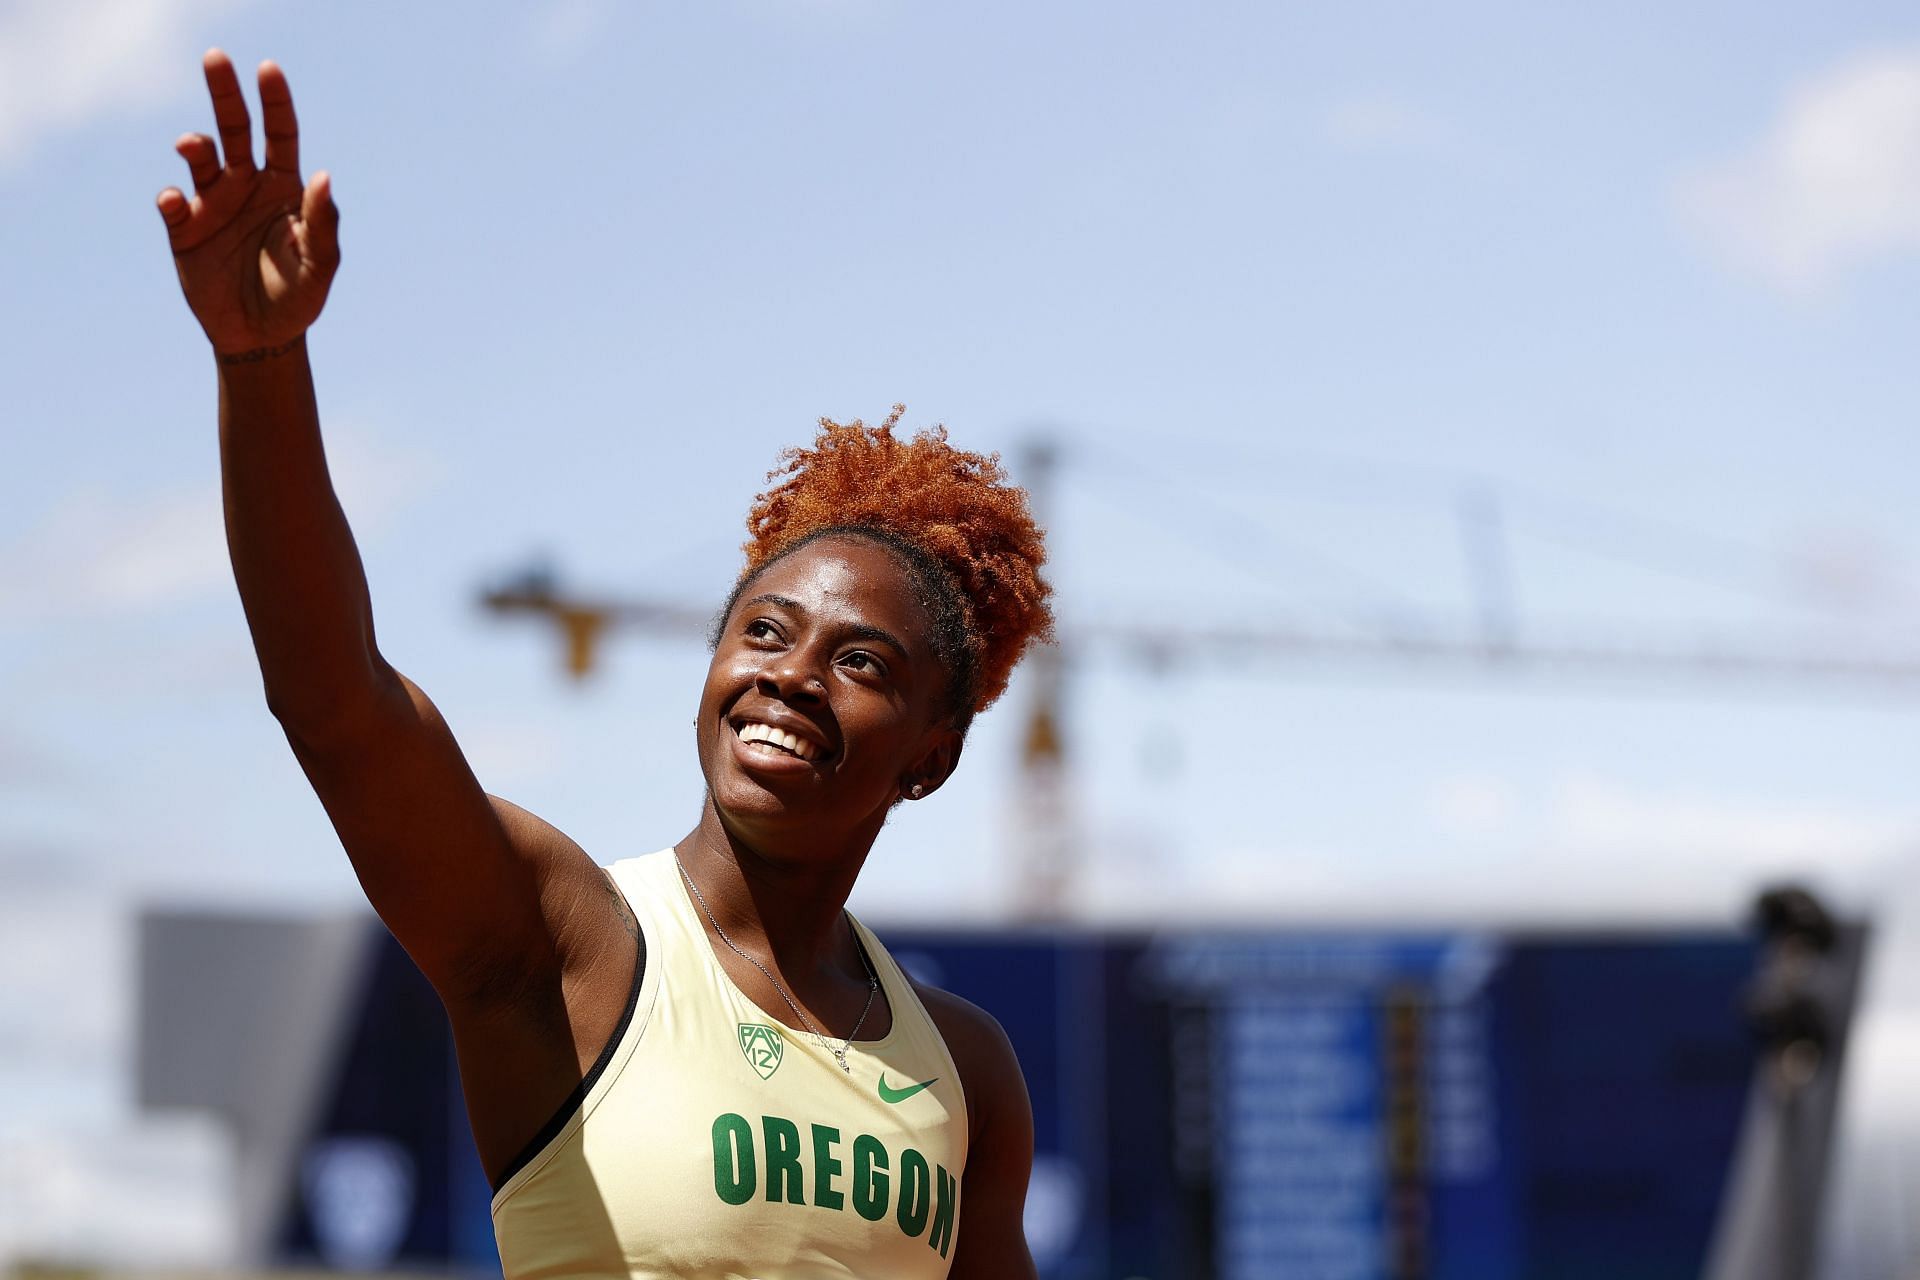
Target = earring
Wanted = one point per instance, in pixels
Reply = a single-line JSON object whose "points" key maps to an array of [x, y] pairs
{"points": [[917, 791]]}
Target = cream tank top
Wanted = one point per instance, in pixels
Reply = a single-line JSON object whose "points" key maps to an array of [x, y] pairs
{"points": [[712, 1142]]}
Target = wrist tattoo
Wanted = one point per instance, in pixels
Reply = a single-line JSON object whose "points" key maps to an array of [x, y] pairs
{"points": [[259, 354]]}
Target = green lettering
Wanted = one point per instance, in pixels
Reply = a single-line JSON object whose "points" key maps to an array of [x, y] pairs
{"points": [[911, 1213], [870, 1181], [942, 1234], [784, 1180], [733, 1172], [826, 1167]]}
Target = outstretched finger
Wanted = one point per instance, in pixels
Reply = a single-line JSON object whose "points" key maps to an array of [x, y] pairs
{"points": [[174, 209], [203, 160], [229, 110], [321, 217], [276, 112]]}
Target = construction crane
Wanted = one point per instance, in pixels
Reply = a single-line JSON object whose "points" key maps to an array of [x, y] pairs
{"points": [[1048, 857]]}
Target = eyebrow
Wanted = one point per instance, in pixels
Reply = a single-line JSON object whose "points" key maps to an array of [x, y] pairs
{"points": [[858, 630]]}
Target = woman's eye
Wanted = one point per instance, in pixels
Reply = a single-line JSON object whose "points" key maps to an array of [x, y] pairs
{"points": [[760, 629], [861, 660]]}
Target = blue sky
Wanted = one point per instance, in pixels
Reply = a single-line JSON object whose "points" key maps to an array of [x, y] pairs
{"points": [[1304, 274]]}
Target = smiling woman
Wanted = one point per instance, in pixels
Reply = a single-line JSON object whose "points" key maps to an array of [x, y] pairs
{"points": [[695, 1063]]}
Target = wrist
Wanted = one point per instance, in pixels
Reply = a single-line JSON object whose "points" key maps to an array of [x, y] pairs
{"points": [[265, 354]]}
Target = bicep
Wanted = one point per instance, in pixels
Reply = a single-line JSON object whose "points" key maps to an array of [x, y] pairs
{"points": [[992, 1240], [465, 882], [993, 1198]]}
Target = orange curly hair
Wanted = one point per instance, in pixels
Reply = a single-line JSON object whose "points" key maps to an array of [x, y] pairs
{"points": [[962, 531]]}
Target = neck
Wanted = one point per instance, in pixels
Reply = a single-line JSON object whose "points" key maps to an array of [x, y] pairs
{"points": [[786, 909]]}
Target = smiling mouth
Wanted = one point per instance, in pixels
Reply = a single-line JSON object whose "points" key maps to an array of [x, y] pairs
{"points": [[766, 739]]}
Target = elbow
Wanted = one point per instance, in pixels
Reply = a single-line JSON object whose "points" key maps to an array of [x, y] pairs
{"points": [[301, 720], [315, 716]]}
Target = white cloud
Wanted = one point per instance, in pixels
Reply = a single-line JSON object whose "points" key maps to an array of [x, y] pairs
{"points": [[1834, 183], [64, 978], [83, 1177], [561, 32], [1855, 573], [1379, 123], [1580, 848], [64, 63], [97, 553], [1471, 804], [1590, 846], [145, 1194], [1596, 816], [1237, 885]]}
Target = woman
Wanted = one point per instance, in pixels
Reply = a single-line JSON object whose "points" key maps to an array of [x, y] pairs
{"points": [[695, 1063]]}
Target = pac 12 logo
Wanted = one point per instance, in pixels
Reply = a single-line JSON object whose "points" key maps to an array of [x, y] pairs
{"points": [[763, 1047]]}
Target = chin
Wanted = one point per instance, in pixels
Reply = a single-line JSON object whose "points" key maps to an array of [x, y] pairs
{"points": [[744, 804]]}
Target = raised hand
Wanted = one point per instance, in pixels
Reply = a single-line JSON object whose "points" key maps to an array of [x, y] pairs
{"points": [[255, 250]]}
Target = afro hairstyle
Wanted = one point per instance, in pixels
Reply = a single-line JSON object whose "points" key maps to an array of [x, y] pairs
{"points": [[964, 534]]}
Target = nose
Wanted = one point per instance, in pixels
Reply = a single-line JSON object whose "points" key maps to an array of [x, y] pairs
{"points": [[793, 676]]}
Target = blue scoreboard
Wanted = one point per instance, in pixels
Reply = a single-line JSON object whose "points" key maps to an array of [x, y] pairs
{"points": [[1225, 1106]]}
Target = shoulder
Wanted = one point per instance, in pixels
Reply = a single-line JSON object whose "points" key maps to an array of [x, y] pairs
{"points": [[989, 1068]]}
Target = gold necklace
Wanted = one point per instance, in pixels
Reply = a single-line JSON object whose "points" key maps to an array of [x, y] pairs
{"points": [[873, 979]]}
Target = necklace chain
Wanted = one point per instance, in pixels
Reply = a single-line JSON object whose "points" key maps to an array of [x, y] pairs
{"points": [[873, 979]]}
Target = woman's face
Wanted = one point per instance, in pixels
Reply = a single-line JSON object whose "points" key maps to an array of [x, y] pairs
{"points": [[828, 645]]}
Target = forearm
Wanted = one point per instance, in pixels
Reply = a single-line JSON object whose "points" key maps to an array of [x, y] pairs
{"points": [[300, 577]]}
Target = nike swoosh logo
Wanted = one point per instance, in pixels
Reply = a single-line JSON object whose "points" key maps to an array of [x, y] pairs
{"points": [[901, 1095]]}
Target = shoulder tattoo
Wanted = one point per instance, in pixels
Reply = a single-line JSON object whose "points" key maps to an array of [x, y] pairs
{"points": [[620, 908]]}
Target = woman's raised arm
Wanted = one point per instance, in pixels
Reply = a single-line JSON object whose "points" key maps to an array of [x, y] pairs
{"points": [[485, 897]]}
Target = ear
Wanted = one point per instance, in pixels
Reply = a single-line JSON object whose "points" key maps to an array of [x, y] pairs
{"points": [[935, 765]]}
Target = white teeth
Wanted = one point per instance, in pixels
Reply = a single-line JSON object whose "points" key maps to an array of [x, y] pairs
{"points": [[778, 738]]}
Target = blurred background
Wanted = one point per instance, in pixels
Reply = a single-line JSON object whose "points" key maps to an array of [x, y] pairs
{"points": [[1477, 443]]}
